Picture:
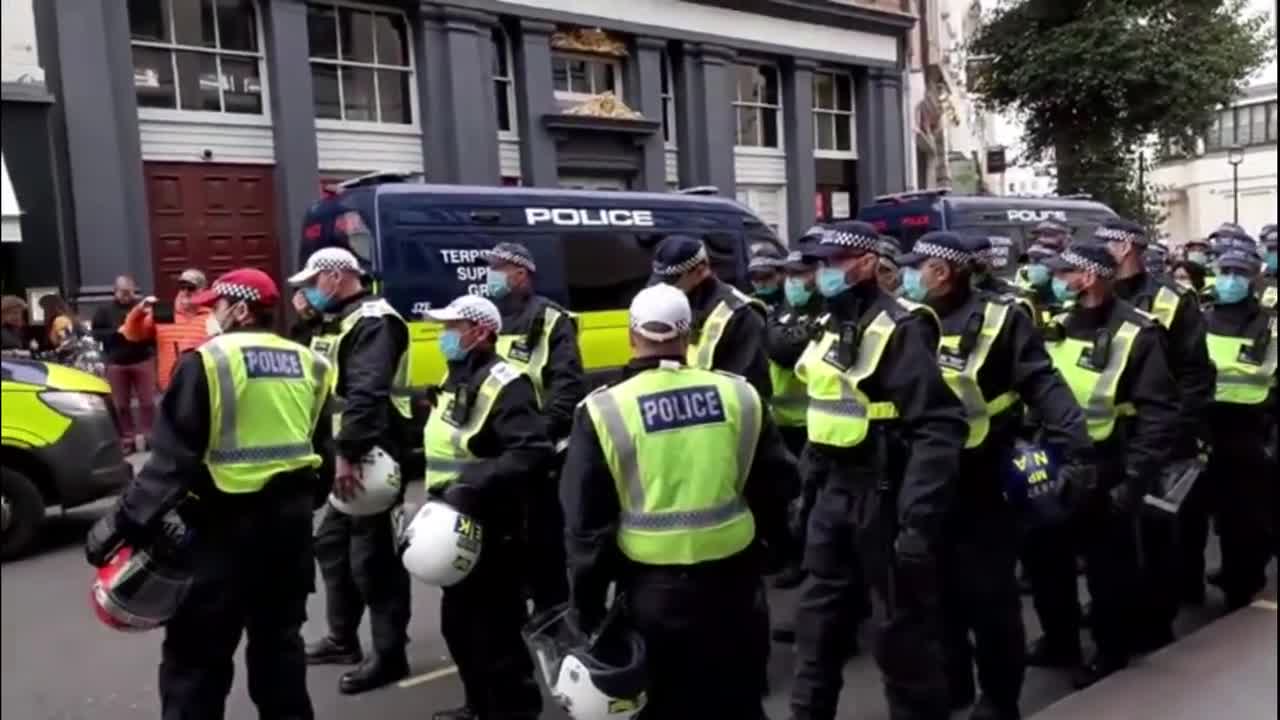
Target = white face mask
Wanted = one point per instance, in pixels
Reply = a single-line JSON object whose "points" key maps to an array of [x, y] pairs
{"points": [[212, 327]]}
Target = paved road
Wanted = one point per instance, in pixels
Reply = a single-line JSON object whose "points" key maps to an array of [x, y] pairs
{"points": [[58, 663]]}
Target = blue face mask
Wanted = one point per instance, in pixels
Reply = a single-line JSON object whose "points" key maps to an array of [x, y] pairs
{"points": [[764, 291], [831, 281], [1231, 289], [913, 285], [497, 284], [798, 292], [1198, 257], [1272, 261], [1038, 275], [1064, 292], [317, 298], [451, 346]]}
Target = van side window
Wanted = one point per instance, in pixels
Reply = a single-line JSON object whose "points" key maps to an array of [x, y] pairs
{"points": [[604, 270]]}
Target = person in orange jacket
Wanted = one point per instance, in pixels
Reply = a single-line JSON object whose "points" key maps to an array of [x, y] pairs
{"points": [[186, 332]]}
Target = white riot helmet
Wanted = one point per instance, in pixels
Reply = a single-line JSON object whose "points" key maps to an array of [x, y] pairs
{"points": [[381, 479], [602, 677], [440, 546]]}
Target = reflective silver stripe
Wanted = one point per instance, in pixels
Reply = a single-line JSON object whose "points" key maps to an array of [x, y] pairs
{"points": [[684, 519], [1101, 402], [845, 407], [449, 465], [265, 453], [607, 406], [226, 398]]}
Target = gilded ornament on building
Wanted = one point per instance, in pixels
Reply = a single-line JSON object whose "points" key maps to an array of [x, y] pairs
{"points": [[589, 40], [604, 105]]}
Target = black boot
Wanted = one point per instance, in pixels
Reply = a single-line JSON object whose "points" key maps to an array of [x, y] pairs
{"points": [[1096, 669], [328, 651], [1047, 652], [461, 713], [988, 709], [374, 673]]}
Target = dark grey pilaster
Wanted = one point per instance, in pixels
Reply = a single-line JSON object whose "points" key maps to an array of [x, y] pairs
{"points": [[101, 115], [870, 125], [535, 97], [797, 103], [712, 97], [456, 101], [644, 94], [293, 121], [688, 87], [888, 88]]}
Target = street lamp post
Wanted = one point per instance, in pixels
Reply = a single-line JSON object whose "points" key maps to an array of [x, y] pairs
{"points": [[1235, 156]]}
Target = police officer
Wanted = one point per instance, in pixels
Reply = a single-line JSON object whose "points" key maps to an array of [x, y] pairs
{"points": [[1197, 252], [1271, 263], [1112, 356], [765, 271], [888, 274], [1051, 235], [540, 338], [1242, 342], [984, 278], [669, 484], [885, 433], [728, 326], [788, 331], [235, 448], [994, 359], [482, 440], [1035, 283], [1179, 314], [367, 341]]}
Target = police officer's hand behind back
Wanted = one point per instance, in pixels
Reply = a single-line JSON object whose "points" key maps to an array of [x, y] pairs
{"points": [[1079, 483], [1123, 498]]}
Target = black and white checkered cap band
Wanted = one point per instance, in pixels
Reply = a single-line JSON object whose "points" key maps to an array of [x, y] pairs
{"points": [[942, 252], [673, 330], [334, 263], [853, 241], [478, 316], [503, 255], [1083, 263], [1116, 234], [681, 268], [236, 291]]}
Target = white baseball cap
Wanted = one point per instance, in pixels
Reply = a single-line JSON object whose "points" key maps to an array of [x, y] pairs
{"points": [[470, 307], [330, 258], [660, 313]]}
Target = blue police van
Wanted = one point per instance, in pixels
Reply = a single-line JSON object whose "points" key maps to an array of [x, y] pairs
{"points": [[1006, 221], [594, 249]]}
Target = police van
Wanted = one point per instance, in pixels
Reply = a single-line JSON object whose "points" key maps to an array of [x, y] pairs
{"points": [[425, 245], [1006, 221]]}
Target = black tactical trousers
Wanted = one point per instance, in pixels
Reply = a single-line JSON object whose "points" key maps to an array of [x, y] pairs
{"points": [[849, 535], [1049, 560], [546, 577], [1240, 478], [361, 568], [253, 570], [981, 599], [481, 618], [702, 638]]}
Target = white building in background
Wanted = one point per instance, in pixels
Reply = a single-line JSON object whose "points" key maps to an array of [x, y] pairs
{"points": [[951, 134], [1033, 180], [1197, 191]]}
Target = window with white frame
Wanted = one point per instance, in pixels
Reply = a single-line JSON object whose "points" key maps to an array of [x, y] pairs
{"points": [[196, 55], [504, 92], [578, 77], [668, 101], [832, 112], [758, 106], [361, 64]]}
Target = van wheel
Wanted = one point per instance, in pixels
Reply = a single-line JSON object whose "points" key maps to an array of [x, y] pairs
{"points": [[21, 513]]}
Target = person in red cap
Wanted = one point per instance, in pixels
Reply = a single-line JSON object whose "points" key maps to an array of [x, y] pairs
{"points": [[235, 450]]}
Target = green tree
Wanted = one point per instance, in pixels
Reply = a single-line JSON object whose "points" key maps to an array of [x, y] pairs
{"points": [[1096, 80]]}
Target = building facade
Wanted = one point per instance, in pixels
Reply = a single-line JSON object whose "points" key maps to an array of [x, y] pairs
{"points": [[198, 132], [1201, 190]]}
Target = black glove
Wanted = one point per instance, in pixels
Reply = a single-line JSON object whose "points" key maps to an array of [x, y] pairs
{"points": [[103, 540], [463, 498], [1122, 499], [911, 550], [1079, 482]]}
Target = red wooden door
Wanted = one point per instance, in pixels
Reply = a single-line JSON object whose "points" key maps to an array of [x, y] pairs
{"points": [[211, 217]]}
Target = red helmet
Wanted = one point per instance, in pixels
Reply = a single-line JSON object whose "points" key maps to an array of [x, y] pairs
{"points": [[136, 591]]}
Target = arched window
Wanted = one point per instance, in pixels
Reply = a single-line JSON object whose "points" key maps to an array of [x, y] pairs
{"points": [[197, 55]]}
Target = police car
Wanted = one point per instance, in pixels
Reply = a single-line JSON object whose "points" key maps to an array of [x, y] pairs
{"points": [[1006, 221], [425, 245]]}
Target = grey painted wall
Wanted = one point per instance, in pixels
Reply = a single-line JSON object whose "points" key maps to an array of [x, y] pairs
{"points": [[797, 103], [102, 144], [535, 97], [644, 94], [709, 99], [456, 103], [888, 100], [294, 126]]}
